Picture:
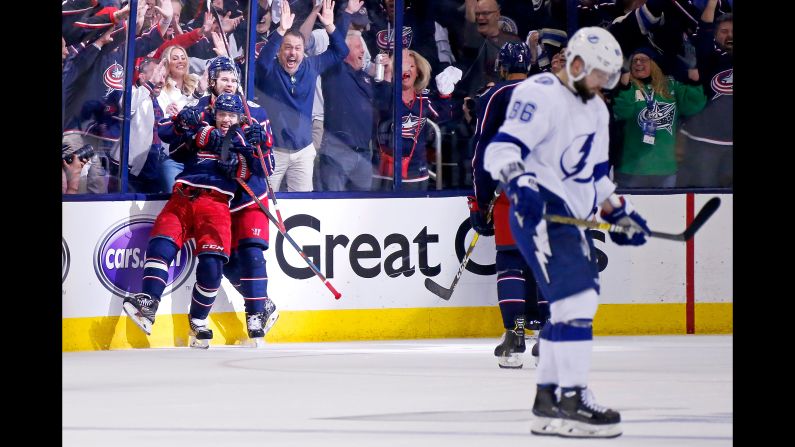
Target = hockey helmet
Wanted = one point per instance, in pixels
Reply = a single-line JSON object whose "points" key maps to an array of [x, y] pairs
{"points": [[514, 57], [219, 64], [598, 49], [229, 103]]}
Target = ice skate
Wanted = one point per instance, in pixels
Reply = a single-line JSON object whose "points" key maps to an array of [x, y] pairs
{"points": [[547, 420], [582, 417], [199, 335], [535, 326], [511, 345], [141, 309], [260, 323]]}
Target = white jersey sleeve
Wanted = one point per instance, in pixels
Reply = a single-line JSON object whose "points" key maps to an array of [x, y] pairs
{"points": [[604, 186], [528, 120]]}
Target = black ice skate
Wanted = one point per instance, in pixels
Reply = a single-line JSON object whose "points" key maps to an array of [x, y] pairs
{"points": [[581, 417], [545, 410], [199, 335], [511, 345], [261, 322], [141, 309]]}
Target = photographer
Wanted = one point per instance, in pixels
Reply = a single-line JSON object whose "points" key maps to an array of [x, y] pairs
{"points": [[72, 163]]}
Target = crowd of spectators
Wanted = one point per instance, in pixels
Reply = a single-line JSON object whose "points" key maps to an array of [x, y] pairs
{"points": [[323, 71]]}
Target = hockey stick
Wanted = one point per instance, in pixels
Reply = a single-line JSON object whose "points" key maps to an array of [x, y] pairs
{"points": [[280, 222], [283, 231], [703, 215], [446, 293]]}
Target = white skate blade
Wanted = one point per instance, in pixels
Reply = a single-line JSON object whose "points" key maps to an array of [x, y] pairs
{"points": [[545, 426], [574, 429], [271, 321], [143, 323], [198, 344], [512, 361]]}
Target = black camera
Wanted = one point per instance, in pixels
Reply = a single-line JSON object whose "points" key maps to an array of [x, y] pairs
{"points": [[84, 154]]}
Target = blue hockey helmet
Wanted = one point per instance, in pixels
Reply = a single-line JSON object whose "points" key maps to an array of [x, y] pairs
{"points": [[219, 64], [229, 103], [514, 57]]}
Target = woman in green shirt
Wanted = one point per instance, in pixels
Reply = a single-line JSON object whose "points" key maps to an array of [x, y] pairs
{"points": [[650, 104]]}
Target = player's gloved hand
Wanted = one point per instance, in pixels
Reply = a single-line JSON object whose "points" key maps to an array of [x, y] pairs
{"points": [[187, 120], [477, 218], [255, 134], [236, 166], [446, 80], [624, 214], [209, 138], [526, 201]]}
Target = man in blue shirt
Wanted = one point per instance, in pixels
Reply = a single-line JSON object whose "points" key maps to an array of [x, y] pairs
{"points": [[287, 80]]}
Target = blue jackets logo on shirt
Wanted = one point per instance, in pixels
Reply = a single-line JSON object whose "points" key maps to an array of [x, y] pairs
{"points": [[114, 77], [662, 115], [723, 83]]}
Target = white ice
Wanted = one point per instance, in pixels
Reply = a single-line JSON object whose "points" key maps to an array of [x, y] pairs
{"points": [[670, 390]]}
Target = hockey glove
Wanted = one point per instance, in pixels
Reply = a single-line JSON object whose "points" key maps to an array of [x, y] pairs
{"points": [[187, 120], [446, 80], [236, 166], [624, 214], [528, 207], [255, 134], [209, 139], [477, 218]]}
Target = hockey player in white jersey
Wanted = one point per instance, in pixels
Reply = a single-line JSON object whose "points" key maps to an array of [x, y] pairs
{"points": [[551, 157]]}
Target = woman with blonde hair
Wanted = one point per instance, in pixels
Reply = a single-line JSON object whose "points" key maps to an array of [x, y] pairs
{"points": [[415, 109], [177, 92], [650, 104]]}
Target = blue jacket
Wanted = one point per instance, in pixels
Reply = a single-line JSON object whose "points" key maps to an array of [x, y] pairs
{"points": [[348, 99], [293, 95]]}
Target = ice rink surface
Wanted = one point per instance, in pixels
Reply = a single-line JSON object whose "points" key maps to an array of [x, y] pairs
{"points": [[670, 390]]}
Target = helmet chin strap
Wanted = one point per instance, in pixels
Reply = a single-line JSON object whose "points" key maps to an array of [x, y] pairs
{"points": [[571, 79]]}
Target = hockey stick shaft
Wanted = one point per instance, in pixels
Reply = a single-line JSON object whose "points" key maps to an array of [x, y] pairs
{"points": [[703, 215], [446, 293], [283, 231]]}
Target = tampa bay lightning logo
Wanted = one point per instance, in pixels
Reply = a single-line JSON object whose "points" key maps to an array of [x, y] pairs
{"points": [[662, 115], [593, 38], [723, 82], [545, 80], [574, 158]]}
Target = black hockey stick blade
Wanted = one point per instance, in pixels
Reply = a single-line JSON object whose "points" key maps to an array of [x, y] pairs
{"points": [[701, 218], [440, 291]]}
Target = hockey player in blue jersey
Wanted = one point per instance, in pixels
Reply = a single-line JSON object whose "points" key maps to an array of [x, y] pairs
{"points": [[199, 209], [246, 269], [520, 304], [551, 157]]}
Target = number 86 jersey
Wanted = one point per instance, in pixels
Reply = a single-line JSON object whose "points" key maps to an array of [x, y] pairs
{"points": [[559, 138]]}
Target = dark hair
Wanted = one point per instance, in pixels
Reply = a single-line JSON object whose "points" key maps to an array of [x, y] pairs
{"points": [[292, 32], [726, 17]]}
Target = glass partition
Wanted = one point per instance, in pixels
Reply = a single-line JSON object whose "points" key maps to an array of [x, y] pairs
{"points": [[327, 87]]}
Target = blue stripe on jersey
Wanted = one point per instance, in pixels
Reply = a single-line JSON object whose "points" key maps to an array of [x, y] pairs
{"points": [[581, 330], [601, 170], [502, 137]]}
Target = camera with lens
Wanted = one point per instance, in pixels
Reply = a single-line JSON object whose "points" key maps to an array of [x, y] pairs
{"points": [[84, 154]]}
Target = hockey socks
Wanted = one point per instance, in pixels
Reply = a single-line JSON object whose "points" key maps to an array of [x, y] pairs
{"points": [[510, 286], [160, 252], [208, 280]]}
